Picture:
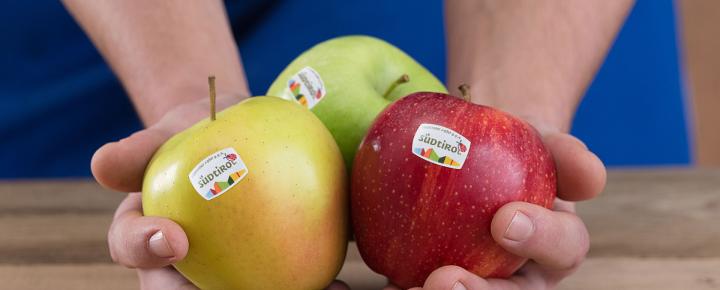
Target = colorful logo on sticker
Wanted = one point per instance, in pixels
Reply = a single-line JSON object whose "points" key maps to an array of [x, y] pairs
{"points": [[440, 145], [306, 87], [217, 173]]}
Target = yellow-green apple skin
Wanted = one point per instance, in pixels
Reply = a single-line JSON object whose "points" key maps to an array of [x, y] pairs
{"points": [[282, 226], [356, 72]]}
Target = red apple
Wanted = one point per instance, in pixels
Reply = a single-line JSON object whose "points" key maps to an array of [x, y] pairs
{"points": [[428, 178]]}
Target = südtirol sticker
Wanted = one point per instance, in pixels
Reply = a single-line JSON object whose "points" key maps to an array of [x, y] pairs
{"points": [[306, 87], [439, 145], [217, 173]]}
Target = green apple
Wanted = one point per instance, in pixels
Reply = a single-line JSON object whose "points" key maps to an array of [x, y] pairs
{"points": [[260, 192], [348, 80]]}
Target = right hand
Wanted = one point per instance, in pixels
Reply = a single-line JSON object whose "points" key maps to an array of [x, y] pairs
{"points": [[150, 244]]}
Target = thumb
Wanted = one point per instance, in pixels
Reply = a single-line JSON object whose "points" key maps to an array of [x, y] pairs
{"points": [[121, 165]]}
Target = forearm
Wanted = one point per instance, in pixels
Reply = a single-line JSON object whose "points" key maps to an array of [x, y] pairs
{"points": [[163, 50], [534, 59]]}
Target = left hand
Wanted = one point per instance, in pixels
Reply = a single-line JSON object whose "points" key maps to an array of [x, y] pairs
{"points": [[555, 241]]}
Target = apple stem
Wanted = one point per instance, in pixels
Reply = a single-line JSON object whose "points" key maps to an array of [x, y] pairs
{"points": [[211, 84], [465, 91], [401, 80]]}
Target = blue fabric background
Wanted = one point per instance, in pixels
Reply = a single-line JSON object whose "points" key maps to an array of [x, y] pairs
{"points": [[635, 111], [59, 101]]}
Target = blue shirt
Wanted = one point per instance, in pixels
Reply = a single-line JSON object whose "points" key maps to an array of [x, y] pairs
{"points": [[59, 101]]}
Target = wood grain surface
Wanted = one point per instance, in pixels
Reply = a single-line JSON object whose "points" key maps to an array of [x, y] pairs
{"points": [[650, 230]]}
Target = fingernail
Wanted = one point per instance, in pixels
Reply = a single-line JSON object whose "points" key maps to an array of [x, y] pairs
{"points": [[459, 286], [520, 228], [159, 246]]}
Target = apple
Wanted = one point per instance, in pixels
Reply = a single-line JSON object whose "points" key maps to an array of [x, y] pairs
{"points": [[261, 194], [347, 81], [428, 178]]}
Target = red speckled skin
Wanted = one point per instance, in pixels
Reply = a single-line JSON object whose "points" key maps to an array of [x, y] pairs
{"points": [[411, 216]]}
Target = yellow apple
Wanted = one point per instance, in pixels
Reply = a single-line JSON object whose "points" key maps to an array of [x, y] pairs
{"points": [[260, 192]]}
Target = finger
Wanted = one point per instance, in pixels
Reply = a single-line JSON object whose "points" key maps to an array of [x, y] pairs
{"points": [[166, 278], [121, 165], [338, 285], [581, 174], [136, 241], [554, 239], [457, 278], [563, 205]]}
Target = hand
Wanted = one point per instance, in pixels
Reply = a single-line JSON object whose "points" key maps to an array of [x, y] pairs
{"points": [[556, 241], [150, 244]]}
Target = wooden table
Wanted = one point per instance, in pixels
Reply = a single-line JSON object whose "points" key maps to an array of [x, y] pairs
{"points": [[656, 229]]}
